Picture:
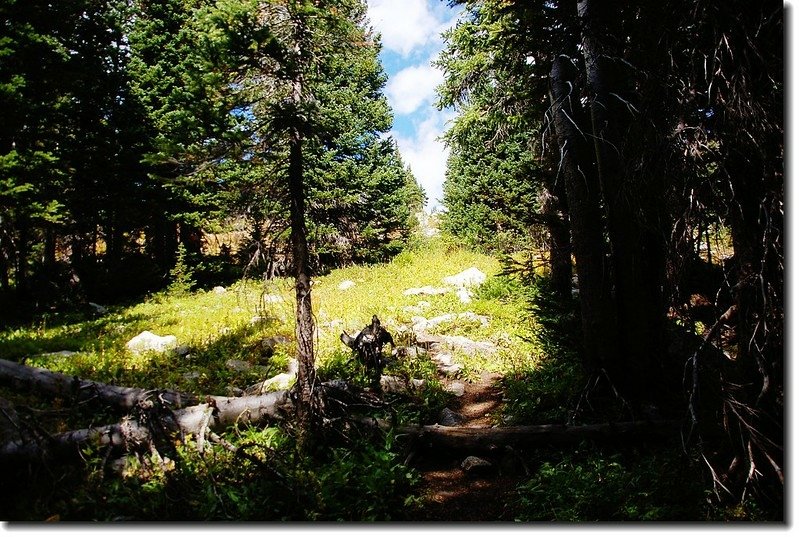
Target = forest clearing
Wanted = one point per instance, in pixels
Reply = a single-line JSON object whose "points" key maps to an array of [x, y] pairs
{"points": [[229, 339], [233, 288]]}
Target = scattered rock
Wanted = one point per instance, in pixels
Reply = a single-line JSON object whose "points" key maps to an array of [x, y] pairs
{"points": [[450, 370], [272, 342], [281, 381], [449, 418], [238, 365], [464, 295], [191, 375], [468, 278], [456, 388], [97, 309], [258, 319], [429, 342], [469, 346], [61, 354], [427, 290], [182, 350], [391, 384], [408, 352], [219, 290], [475, 465], [149, 342], [418, 384], [420, 324], [346, 284], [443, 359]]}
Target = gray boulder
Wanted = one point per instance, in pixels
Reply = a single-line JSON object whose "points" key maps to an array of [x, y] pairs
{"points": [[475, 465], [449, 418], [149, 342]]}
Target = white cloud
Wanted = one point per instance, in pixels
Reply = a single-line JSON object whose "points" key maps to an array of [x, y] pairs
{"points": [[413, 87], [411, 30], [406, 25], [427, 156]]}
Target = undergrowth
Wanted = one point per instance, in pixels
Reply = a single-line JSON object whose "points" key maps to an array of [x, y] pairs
{"points": [[264, 479], [589, 485]]}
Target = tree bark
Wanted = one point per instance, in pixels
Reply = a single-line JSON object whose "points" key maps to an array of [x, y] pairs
{"points": [[636, 248], [131, 433], [560, 252], [306, 374], [40, 380], [585, 217], [488, 439]]}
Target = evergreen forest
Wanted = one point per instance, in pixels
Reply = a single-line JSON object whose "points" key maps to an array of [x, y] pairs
{"points": [[224, 295]]}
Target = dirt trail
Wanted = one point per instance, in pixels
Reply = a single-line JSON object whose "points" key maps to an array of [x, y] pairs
{"points": [[449, 492]]}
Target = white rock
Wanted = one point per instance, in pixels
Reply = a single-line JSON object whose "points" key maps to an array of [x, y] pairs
{"points": [[346, 284], [444, 359], [418, 384], [280, 381], [464, 295], [238, 365], [470, 346], [390, 384], [450, 370], [468, 278], [456, 388], [98, 309], [62, 354], [219, 290], [147, 341]]}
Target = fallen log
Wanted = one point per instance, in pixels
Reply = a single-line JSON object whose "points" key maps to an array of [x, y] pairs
{"points": [[20, 376], [131, 433], [489, 439]]}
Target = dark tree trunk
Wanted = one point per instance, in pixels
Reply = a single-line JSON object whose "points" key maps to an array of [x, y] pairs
{"points": [[585, 218], [23, 290], [560, 253], [636, 247], [49, 248], [306, 374], [163, 243]]}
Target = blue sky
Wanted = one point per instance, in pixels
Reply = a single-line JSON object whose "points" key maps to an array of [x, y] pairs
{"points": [[411, 36]]}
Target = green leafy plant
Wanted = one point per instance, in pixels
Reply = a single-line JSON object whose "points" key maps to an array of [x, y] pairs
{"points": [[590, 485]]}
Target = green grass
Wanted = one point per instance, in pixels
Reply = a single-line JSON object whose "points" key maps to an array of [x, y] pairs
{"points": [[216, 327], [362, 480]]}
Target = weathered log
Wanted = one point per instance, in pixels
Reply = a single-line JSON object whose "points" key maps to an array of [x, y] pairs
{"points": [[47, 382], [130, 433], [489, 439]]}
